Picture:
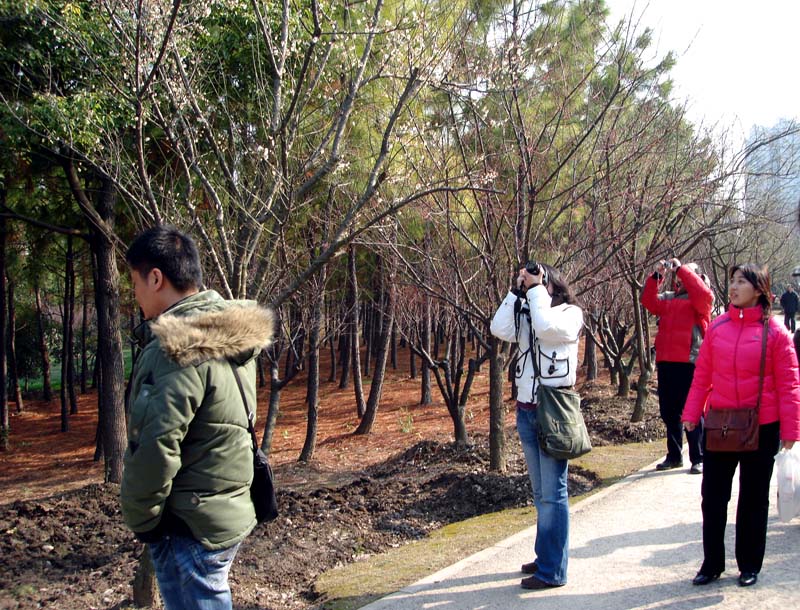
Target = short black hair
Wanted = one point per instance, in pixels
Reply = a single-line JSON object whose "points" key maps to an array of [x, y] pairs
{"points": [[172, 251]]}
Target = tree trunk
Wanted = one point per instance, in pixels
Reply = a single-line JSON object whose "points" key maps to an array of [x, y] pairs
{"points": [[450, 393], [47, 388], [262, 373], [145, 585], [642, 393], [13, 369], [426, 396], [368, 337], [472, 368], [4, 419], [412, 362], [73, 398], [332, 348], [460, 427], [643, 352], [344, 356], [66, 323], [497, 408], [84, 330], [310, 443], [98, 384], [275, 387], [393, 340], [624, 387], [109, 339], [590, 348], [355, 349], [367, 421]]}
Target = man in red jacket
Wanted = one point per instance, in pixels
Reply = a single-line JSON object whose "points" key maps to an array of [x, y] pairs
{"points": [[683, 317]]}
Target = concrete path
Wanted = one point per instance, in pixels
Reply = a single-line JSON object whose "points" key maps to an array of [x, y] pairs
{"points": [[636, 544]]}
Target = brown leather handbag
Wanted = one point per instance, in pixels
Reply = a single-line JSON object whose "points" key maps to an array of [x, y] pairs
{"points": [[737, 429]]}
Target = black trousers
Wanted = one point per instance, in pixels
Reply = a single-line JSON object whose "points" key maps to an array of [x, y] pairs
{"points": [[788, 320], [674, 381], [755, 471]]}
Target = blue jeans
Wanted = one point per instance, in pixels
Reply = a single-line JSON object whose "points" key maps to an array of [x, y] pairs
{"points": [[190, 576], [549, 483]]}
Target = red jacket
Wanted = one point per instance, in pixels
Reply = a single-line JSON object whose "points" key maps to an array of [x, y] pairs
{"points": [[683, 319], [727, 371]]}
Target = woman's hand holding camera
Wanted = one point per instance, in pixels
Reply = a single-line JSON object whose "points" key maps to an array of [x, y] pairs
{"points": [[664, 265], [526, 280]]}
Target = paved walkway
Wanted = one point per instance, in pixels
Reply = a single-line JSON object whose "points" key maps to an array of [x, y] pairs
{"points": [[636, 544]]}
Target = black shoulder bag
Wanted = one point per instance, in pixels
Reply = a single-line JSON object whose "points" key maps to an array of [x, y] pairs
{"points": [[262, 489]]}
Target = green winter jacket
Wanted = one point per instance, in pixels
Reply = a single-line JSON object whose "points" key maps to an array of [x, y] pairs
{"points": [[189, 452]]}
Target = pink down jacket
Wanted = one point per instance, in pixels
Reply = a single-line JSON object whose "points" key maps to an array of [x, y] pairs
{"points": [[727, 370]]}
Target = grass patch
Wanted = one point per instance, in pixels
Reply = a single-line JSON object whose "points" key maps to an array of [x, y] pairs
{"points": [[374, 576], [614, 462]]}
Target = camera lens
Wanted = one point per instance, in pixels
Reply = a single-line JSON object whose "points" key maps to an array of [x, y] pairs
{"points": [[532, 267]]}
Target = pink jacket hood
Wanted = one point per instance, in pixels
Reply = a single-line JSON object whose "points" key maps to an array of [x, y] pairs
{"points": [[727, 371]]}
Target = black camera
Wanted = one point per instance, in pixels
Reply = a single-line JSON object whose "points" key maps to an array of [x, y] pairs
{"points": [[535, 268]]}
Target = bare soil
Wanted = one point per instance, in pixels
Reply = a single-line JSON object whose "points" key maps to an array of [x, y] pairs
{"points": [[63, 544]]}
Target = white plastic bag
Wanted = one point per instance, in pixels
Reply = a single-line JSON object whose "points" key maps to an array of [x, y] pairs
{"points": [[788, 463]]}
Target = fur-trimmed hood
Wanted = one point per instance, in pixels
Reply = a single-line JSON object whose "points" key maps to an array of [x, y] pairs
{"points": [[206, 327]]}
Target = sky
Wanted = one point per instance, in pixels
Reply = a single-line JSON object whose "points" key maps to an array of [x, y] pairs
{"points": [[738, 61]]}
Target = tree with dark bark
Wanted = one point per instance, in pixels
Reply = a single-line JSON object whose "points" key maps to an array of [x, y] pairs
{"points": [[44, 352], [13, 369], [4, 419], [388, 291], [354, 331], [314, 344], [66, 346]]}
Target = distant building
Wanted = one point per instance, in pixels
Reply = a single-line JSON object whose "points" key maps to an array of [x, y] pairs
{"points": [[772, 185]]}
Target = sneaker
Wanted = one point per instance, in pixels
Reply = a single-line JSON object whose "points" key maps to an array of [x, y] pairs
{"points": [[696, 468], [669, 464]]}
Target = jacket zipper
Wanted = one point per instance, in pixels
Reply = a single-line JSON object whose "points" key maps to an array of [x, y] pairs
{"points": [[736, 357]]}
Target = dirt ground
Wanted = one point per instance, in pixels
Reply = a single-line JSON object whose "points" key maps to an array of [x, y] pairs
{"points": [[63, 544]]}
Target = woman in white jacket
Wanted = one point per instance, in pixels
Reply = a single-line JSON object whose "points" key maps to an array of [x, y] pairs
{"points": [[541, 316]]}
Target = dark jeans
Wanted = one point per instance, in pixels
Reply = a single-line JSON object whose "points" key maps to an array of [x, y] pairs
{"points": [[755, 471], [788, 320], [674, 381]]}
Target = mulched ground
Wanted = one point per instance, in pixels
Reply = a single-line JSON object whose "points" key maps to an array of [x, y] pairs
{"points": [[71, 550]]}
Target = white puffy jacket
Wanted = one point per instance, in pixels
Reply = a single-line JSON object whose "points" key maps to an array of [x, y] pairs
{"points": [[555, 337]]}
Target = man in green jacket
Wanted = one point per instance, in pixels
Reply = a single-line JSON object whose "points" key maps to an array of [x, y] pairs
{"points": [[189, 462]]}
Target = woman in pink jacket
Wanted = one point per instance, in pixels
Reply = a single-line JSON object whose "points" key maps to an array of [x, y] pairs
{"points": [[727, 376]]}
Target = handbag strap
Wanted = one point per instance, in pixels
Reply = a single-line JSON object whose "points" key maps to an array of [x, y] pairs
{"points": [[250, 415], [763, 363]]}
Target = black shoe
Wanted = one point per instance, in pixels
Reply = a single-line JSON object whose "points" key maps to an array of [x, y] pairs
{"points": [[534, 583], [696, 468], [669, 464], [704, 579], [529, 568], [747, 578]]}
